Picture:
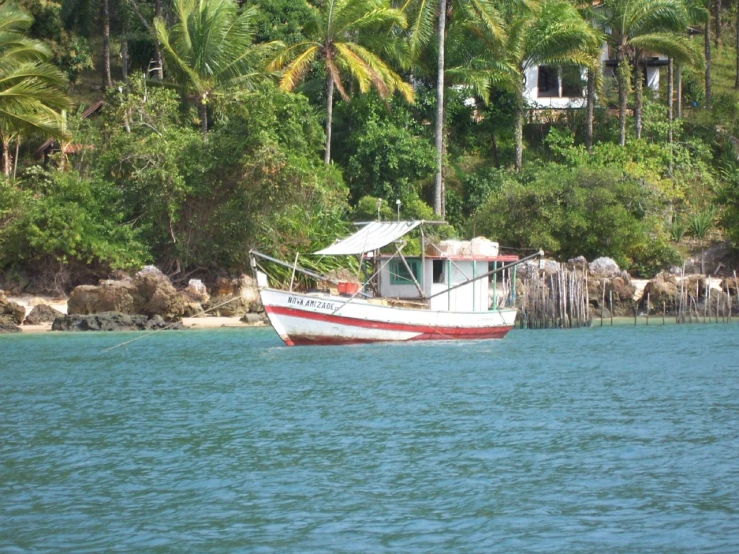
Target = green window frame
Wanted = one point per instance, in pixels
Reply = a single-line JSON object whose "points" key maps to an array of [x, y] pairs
{"points": [[399, 273]]}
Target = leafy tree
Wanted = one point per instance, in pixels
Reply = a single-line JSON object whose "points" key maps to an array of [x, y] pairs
{"points": [[209, 49], [569, 212], [64, 217], [345, 36]]}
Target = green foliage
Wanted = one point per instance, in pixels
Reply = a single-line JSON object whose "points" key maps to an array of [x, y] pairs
{"points": [[65, 217], [654, 256], [256, 183], [568, 213], [701, 222], [70, 52], [281, 20], [388, 162], [678, 229]]}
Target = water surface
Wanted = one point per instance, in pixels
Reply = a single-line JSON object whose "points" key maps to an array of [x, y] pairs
{"points": [[613, 440]]}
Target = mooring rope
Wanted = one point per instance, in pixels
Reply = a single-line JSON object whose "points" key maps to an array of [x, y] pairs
{"points": [[203, 312]]}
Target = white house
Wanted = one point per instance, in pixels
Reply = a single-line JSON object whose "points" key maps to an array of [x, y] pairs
{"points": [[551, 87]]}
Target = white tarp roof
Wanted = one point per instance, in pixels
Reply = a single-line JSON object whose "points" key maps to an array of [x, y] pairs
{"points": [[372, 236]]}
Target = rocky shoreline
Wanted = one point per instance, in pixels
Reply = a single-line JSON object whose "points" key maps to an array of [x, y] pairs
{"points": [[148, 300]]}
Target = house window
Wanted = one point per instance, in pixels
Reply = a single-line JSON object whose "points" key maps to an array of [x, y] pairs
{"points": [[572, 81], [399, 273], [548, 82]]}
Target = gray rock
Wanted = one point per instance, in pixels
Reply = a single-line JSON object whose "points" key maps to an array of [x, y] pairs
{"points": [[605, 267], [41, 313], [11, 311], [7, 326], [111, 321], [253, 319]]}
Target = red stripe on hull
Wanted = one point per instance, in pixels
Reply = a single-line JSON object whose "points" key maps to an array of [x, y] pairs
{"points": [[426, 332]]}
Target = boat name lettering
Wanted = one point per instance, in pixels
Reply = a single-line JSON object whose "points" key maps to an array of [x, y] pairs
{"points": [[310, 303]]}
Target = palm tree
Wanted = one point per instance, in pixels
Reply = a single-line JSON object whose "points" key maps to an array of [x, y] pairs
{"points": [[552, 33], [31, 90], [342, 37], [476, 15], [209, 49], [637, 26]]}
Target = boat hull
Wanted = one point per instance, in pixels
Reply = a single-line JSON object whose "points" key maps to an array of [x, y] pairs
{"points": [[303, 319]]}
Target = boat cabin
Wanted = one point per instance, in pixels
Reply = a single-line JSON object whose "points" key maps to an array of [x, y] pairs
{"points": [[440, 271], [449, 276]]}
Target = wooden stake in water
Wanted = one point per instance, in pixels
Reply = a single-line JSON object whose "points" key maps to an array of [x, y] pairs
{"points": [[603, 302], [647, 309], [610, 301], [664, 306]]}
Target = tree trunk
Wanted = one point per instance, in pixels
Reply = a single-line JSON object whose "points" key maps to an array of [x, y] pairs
{"points": [[670, 92], [7, 162], [707, 50], [518, 133], [638, 100], [329, 116], [496, 158], [124, 60], [15, 160], [622, 76], [717, 23], [679, 100], [107, 80], [439, 131], [736, 44], [591, 111], [157, 47], [204, 117]]}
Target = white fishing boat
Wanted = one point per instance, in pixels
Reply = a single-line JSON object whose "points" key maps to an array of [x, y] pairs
{"points": [[450, 291]]}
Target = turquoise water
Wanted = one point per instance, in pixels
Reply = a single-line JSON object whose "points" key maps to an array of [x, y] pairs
{"points": [[592, 440]]}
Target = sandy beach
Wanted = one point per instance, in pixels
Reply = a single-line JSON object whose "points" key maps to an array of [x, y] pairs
{"points": [[60, 304]]}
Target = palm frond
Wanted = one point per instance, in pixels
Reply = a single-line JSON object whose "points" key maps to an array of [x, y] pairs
{"points": [[297, 67]]}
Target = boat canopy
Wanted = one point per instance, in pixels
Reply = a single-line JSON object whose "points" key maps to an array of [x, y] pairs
{"points": [[371, 237]]}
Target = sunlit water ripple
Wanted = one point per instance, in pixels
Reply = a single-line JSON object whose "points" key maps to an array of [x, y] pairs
{"points": [[608, 440]]}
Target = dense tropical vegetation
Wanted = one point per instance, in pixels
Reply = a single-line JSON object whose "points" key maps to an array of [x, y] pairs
{"points": [[219, 129]]}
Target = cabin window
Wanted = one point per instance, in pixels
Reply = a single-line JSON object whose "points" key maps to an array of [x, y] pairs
{"points": [[399, 273], [438, 271]]}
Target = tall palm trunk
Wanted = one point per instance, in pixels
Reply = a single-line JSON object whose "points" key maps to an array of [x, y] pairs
{"points": [[679, 99], [439, 131], [107, 80], [638, 100], [157, 47], [670, 94], [717, 23], [329, 116], [622, 76], [124, 60], [518, 133], [7, 161], [707, 50], [591, 110], [204, 117], [736, 44]]}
